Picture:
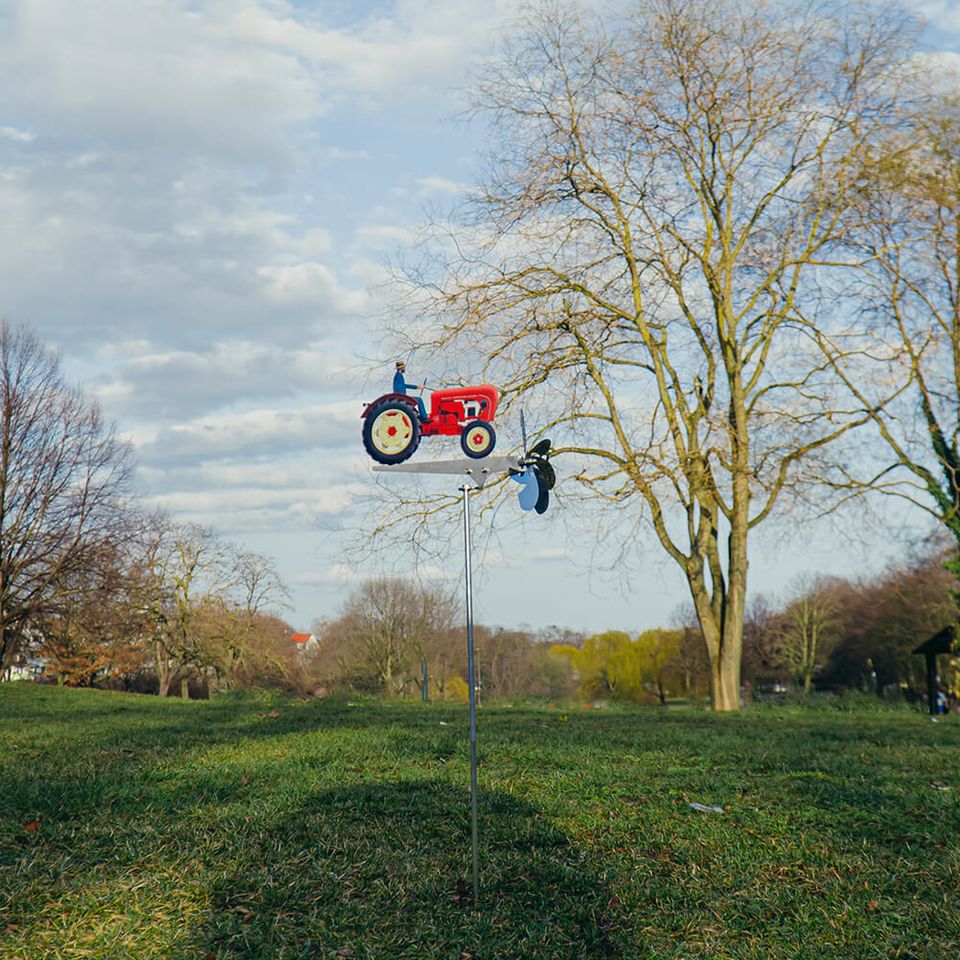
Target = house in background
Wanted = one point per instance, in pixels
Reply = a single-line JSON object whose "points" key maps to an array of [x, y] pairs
{"points": [[305, 643], [27, 665]]}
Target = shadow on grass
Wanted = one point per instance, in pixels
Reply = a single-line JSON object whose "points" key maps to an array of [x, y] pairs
{"points": [[384, 871]]}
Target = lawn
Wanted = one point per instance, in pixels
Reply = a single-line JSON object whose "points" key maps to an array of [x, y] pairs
{"points": [[263, 827]]}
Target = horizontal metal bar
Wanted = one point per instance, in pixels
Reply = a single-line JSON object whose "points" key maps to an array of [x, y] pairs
{"points": [[477, 470]]}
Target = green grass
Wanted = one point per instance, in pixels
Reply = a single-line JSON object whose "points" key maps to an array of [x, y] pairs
{"points": [[261, 827]]}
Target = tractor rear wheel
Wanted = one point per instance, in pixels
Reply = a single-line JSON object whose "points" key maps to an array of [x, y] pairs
{"points": [[391, 432], [478, 439]]}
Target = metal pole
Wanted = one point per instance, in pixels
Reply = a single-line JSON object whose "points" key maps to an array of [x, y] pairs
{"points": [[471, 681]]}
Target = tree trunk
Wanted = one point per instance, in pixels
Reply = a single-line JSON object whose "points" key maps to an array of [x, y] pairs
{"points": [[724, 641], [163, 671], [8, 642], [6, 650], [725, 683]]}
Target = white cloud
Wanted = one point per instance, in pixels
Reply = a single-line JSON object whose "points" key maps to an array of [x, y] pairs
{"points": [[417, 47], [944, 14], [342, 153], [383, 237], [252, 510], [171, 75], [153, 381], [17, 136], [549, 553], [305, 502], [295, 472], [430, 186], [340, 574], [258, 433], [942, 68], [310, 283]]}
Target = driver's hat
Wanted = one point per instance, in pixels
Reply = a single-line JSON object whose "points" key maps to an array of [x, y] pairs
{"points": [[400, 364]]}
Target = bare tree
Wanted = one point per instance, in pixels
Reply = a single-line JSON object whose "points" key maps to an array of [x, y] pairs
{"points": [[906, 370], [248, 588], [386, 627], [663, 194], [762, 628], [63, 476], [808, 627], [183, 565]]}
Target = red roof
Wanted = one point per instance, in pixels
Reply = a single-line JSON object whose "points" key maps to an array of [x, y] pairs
{"points": [[299, 638]]}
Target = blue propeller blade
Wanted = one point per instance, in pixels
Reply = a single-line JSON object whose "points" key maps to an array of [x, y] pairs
{"points": [[530, 493]]}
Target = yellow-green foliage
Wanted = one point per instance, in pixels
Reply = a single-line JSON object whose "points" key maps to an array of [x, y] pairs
{"points": [[612, 664], [456, 690], [661, 651]]}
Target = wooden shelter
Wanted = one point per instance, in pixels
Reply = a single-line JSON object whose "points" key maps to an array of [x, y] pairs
{"points": [[942, 642]]}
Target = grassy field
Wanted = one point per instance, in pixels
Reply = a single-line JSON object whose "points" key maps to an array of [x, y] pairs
{"points": [[263, 827]]}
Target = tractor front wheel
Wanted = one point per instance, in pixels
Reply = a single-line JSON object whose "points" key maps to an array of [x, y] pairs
{"points": [[478, 439], [391, 432]]}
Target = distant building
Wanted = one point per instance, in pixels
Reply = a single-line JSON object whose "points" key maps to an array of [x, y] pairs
{"points": [[305, 643], [25, 666]]}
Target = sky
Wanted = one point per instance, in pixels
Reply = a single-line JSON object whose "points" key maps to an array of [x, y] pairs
{"points": [[199, 200]]}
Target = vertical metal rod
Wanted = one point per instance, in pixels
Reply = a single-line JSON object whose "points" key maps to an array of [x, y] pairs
{"points": [[471, 680]]}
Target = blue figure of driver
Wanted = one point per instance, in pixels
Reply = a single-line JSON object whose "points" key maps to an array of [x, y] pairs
{"points": [[400, 385]]}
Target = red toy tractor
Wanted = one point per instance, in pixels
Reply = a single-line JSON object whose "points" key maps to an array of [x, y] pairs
{"points": [[392, 427]]}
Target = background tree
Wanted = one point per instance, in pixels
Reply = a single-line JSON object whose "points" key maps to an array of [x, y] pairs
{"points": [[210, 606], [237, 637], [519, 663], [905, 370], [504, 658], [63, 478], [664, 189], [808, 628], [244, 648], [660, 651], [185, 564], [602, 664], [385, 628], [95, 629], [612, 664], [762, 629], [880, 623]]}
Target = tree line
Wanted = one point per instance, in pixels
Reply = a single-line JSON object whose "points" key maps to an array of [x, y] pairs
{"points": [[93, 587], [825, 634]]}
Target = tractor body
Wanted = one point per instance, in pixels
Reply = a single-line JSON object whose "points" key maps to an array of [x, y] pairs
{"points": [[392, 427]]}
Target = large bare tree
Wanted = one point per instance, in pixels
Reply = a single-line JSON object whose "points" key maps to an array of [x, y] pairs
{"points": [[63, 477], [665, 188]]}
